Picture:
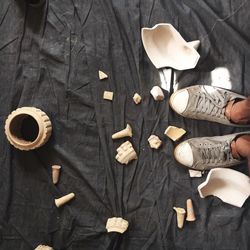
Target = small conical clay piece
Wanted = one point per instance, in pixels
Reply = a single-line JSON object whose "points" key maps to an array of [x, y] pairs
{"points": [[43, 247], [102, 75], [190, 211], [180, 212], [137, 98], [157, 93], [123, 133], [125, 153], [56, 173], [61, 201], [154, 141], [174, 133], [108, 95], [117, 224]]}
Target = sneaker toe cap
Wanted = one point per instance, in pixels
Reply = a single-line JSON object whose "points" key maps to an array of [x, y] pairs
{"points": [[179, 100], [183, 154]]}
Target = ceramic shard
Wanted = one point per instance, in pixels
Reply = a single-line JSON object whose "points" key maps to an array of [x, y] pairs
{"points": [[125, 153], [194, 173], [102, 75], [154, 141], [117, 224], [157, 93], [108, 95], [63, 200], [56, 169], [137, 98], [190, 211], [180, 213], [174, 133], [43, 247], [127, 132]]}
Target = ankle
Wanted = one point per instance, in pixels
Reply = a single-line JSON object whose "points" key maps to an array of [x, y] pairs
{"points": [[242, 146]]}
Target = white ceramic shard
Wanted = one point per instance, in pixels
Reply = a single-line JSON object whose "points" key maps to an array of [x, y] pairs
{"points": [[137, 98], [102, 75], [194, 173], [43, 247], [180, 213], [56, 169], [108, 95], [190, 211], [229, 185], [63, 200], [166, 48], [157, 93], [154, 141], [117, 224], [127, 132], [174, 133], [125, 153]]}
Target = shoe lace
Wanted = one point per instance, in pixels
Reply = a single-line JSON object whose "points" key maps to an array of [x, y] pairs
{"points": [[210, 103]]}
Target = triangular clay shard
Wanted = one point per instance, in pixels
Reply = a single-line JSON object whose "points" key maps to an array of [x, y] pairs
{"points": [[174, 133], [102, 75]]}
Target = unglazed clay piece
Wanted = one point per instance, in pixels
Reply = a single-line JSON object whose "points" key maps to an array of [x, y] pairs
{"points": [[102, 75], [166, 48], [157, 93], [154, 141], [229, 185], [43, 247], [180, 212], [117, 224], [28, 128], [137, 98], [190, 211], [108, 95], [127, 132], [194, 173], [61, 201], [174, 133], [56, 173], [125, 153]]}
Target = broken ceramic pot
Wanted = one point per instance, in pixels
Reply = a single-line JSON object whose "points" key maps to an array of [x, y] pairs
{"points": [[180, 213], [154, 141], [127, 132], [117, 224], [174, 133], [126, 153]]}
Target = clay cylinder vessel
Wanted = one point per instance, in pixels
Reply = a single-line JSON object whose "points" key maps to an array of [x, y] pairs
{"points": [[180, 212], [190, 211], [28, 128], [56, 169]]}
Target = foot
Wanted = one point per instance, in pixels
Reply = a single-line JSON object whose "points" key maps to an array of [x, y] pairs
{"points": [[205, 153], [206, 103]]}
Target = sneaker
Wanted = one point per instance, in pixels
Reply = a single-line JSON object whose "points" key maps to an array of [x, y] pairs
{"points": [[204, 102], [205, 153]]}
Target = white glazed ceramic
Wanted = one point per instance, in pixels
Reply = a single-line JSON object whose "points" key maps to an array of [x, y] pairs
{"points": [[166, 48], [229, 185]]}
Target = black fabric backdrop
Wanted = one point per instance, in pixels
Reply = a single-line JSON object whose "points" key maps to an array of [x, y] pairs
{"points": [[49, 58]]}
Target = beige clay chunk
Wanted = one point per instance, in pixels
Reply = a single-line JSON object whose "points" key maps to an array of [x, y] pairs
{"points": [[137, 98], [117, 224], [154, 141], [43, 247], [108, 95], [194, 173], [63, 200], [190, 211], [127, 132], [28, 128], [180, 213], [125, 153], [174, 133], [102, 75], [56, 169], [157, 93]]}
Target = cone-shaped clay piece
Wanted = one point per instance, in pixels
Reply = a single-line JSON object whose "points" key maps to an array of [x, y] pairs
{"points": [[126, 153], [174, 133], [117, 224], [102, 75], [61, 201], [28, 128], [108, 95], [154, 141], [137, 98], [166, 48], [123, 133], [56, 169], [180, 213], [190, 211], [229, 185], [43, 247], [157, 93]]}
